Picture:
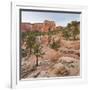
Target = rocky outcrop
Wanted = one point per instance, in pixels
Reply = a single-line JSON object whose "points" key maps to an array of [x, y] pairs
{"points": [[72, 65], [50, 54], [49, 25], [41, 27], [70, 53], [58, 70], [37, 27], [26, 27], [70, 44]]}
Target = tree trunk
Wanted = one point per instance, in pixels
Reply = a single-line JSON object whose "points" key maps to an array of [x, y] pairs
{"points": [[30, 51], [36, 60], [74, 38]]}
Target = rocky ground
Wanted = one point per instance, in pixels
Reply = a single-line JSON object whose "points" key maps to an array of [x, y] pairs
{"points": [[64, 62]]}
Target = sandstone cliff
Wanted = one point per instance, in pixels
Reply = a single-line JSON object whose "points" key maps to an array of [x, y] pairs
{"points": [[42, 27]]}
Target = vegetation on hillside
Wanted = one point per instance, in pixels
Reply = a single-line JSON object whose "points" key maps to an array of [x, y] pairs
{"points": [[71, 31], [59, 57]]}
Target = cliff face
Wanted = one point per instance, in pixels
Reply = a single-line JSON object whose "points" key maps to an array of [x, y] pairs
{"points": [[37, 27], [42, 27], [49, 25], [26, 27]]}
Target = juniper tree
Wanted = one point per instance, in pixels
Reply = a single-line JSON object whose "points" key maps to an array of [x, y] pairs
{"points": [[55, 44], [34, 46], [37, 51], [30, 41]]}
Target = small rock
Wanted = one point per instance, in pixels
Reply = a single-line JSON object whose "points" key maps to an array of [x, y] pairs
{"points": [[67, 60], [58, 70]]}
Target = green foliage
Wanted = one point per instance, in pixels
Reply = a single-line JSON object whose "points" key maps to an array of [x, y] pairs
{"points": [[37, 51], [24, 53], [75, 29], [66, 34], [33, 46], [55, 45], [71, 30], [24, 36], [30, 41]]}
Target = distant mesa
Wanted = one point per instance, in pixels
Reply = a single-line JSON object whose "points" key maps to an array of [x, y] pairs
{"points": [[26, 27], [41, 27]]}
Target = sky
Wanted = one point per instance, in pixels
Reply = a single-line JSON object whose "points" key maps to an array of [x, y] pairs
{"points": [[61, 19]]}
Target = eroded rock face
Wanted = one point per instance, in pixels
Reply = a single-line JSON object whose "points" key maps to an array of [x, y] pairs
{"points": [[27, 65], [42, 27], [70, 44], [58, 70], [49, 25], [67, 59], [38, 27], [70, 53], [65, 66], [26, 68], [72, 65], [26, 27], [50, 54], [44, 40]]}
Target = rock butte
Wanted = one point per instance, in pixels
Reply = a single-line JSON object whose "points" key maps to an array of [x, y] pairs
{"points": [[42, 27]]}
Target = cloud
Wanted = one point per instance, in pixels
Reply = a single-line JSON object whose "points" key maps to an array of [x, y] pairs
{"points": [[59, 18]]}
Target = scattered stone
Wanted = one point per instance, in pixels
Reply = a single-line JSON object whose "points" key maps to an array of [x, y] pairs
{"points": [[58, 70]]}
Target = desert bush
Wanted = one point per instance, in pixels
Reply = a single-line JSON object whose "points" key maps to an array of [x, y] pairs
{"points": [[55, 44], [23, 52], [72, 30]]}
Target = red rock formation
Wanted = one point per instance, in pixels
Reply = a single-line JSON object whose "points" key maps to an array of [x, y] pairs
{"points": [[37, 27], [42, 27], [49, 25], [26, 27]]}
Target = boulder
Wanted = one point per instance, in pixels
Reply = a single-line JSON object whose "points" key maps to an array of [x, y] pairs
{"points": [[72, 64], [67, 60], [50, 54], [58, 70], [70, 44]]}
